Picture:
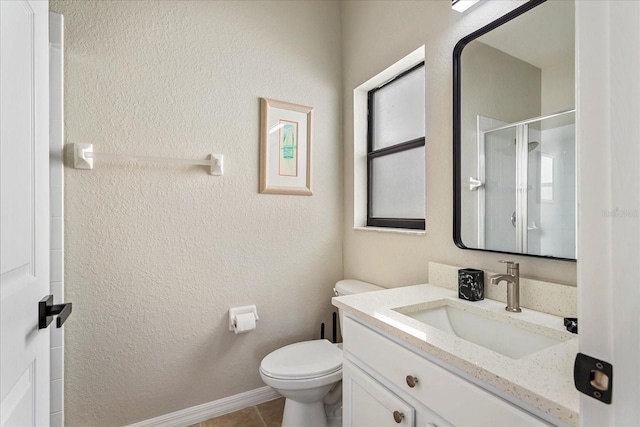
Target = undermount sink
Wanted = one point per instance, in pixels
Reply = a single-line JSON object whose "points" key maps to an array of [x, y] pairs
{"points": [[471, 324]]}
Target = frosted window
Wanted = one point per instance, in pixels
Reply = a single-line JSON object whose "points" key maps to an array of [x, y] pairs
{"points": [[399, 185], [399, 110]]}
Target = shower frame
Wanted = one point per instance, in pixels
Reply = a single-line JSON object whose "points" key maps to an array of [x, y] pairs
{"points": [[522, 171]]}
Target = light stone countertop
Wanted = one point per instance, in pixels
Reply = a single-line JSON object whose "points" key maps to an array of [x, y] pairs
{"points": [[543, 380]]}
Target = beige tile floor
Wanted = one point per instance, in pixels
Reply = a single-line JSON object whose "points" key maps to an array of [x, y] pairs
{"points": [[268, 414]]}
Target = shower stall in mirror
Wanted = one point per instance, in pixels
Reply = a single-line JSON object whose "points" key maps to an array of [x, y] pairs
{"points": [[526, 185]]}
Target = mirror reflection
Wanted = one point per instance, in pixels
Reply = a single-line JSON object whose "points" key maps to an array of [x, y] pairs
{"points": [[515, 130]]}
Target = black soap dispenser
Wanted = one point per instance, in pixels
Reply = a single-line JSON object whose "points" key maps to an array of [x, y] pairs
{"points": [[470, 284]]}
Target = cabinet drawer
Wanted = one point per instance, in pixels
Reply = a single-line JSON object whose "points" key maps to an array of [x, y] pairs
{"points": [[453, 398]]}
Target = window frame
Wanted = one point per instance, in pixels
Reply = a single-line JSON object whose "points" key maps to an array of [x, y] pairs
{"points": [[403, 223]]}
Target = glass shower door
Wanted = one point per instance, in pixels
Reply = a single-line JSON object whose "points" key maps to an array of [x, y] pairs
{"points": [[500, 189], [551, 185]]}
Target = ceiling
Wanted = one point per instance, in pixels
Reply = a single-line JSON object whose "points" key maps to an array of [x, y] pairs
{"points": [[543, 36]]}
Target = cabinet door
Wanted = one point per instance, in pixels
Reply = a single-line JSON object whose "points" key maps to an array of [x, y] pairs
{"points": [[366, 403]]}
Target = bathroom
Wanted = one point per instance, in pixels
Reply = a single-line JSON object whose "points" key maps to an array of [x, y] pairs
{"points": [[155, 255]]}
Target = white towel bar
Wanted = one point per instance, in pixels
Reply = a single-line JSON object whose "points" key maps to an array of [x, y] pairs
{"points": [[83, 157]]}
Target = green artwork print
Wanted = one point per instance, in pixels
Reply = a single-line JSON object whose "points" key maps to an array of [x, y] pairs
{"points": [[288, 141]]}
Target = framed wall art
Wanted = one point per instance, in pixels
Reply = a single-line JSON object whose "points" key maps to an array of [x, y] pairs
{"points": [[285, 148]]}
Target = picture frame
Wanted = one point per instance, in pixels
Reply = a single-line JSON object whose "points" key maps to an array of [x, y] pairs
{"points": [[285, 148]]}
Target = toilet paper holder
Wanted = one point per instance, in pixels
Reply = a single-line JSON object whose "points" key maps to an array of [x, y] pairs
{"points": [[235, 311]]}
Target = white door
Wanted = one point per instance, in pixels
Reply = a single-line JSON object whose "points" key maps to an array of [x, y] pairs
{"points": [[24, 211], [608, 72]]}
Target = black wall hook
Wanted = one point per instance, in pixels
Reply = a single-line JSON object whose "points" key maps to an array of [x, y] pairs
{"points": [[46, 311]]}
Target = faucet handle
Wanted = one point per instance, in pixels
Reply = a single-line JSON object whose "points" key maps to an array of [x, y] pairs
{"points": [[509, 263]]}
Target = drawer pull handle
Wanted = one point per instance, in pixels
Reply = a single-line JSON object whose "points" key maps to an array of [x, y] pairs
{"points": [[412, 381], [398, 416], [432, 425]]}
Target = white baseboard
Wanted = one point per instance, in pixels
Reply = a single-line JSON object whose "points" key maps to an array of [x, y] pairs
{"points": [[196, 414]]}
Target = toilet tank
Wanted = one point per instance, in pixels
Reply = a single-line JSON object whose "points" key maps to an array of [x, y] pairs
{"points": [[350, 287]]}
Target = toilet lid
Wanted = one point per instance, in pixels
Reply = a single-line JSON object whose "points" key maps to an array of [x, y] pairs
{"points": [[308, 359]]}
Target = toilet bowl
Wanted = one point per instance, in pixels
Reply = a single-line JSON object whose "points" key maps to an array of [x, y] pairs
{"points": [[305, 372]]}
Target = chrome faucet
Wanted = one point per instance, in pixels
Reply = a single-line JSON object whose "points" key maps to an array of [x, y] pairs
{"points": [[513, 285]]}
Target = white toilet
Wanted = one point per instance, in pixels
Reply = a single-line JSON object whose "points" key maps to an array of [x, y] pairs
{"points": [[305, 372]]}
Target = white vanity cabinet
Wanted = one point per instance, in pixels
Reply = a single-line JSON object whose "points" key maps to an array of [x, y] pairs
{"points": [[382, 378]]}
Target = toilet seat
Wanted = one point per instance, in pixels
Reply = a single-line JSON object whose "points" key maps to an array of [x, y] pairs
{"points": [[303, 360]]}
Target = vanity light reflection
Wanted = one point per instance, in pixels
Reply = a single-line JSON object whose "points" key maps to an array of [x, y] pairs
{"points": [[401, 325], [462, 5]]}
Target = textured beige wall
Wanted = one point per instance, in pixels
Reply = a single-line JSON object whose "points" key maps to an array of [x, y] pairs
{"points": [[157, 254], [558, 87], [375, 35]]}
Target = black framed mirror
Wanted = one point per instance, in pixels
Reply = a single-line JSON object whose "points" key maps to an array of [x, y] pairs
{"points": [[514, 134]]}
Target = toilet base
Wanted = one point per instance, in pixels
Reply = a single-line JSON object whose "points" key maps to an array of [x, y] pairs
{"points": [[334, 414], [298, 414]]}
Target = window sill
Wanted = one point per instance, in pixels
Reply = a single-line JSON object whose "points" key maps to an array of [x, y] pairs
{"points": [[392, 230]]}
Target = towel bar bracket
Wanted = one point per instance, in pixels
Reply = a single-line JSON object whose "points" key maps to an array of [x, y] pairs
{"points": [[82, 158]]}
